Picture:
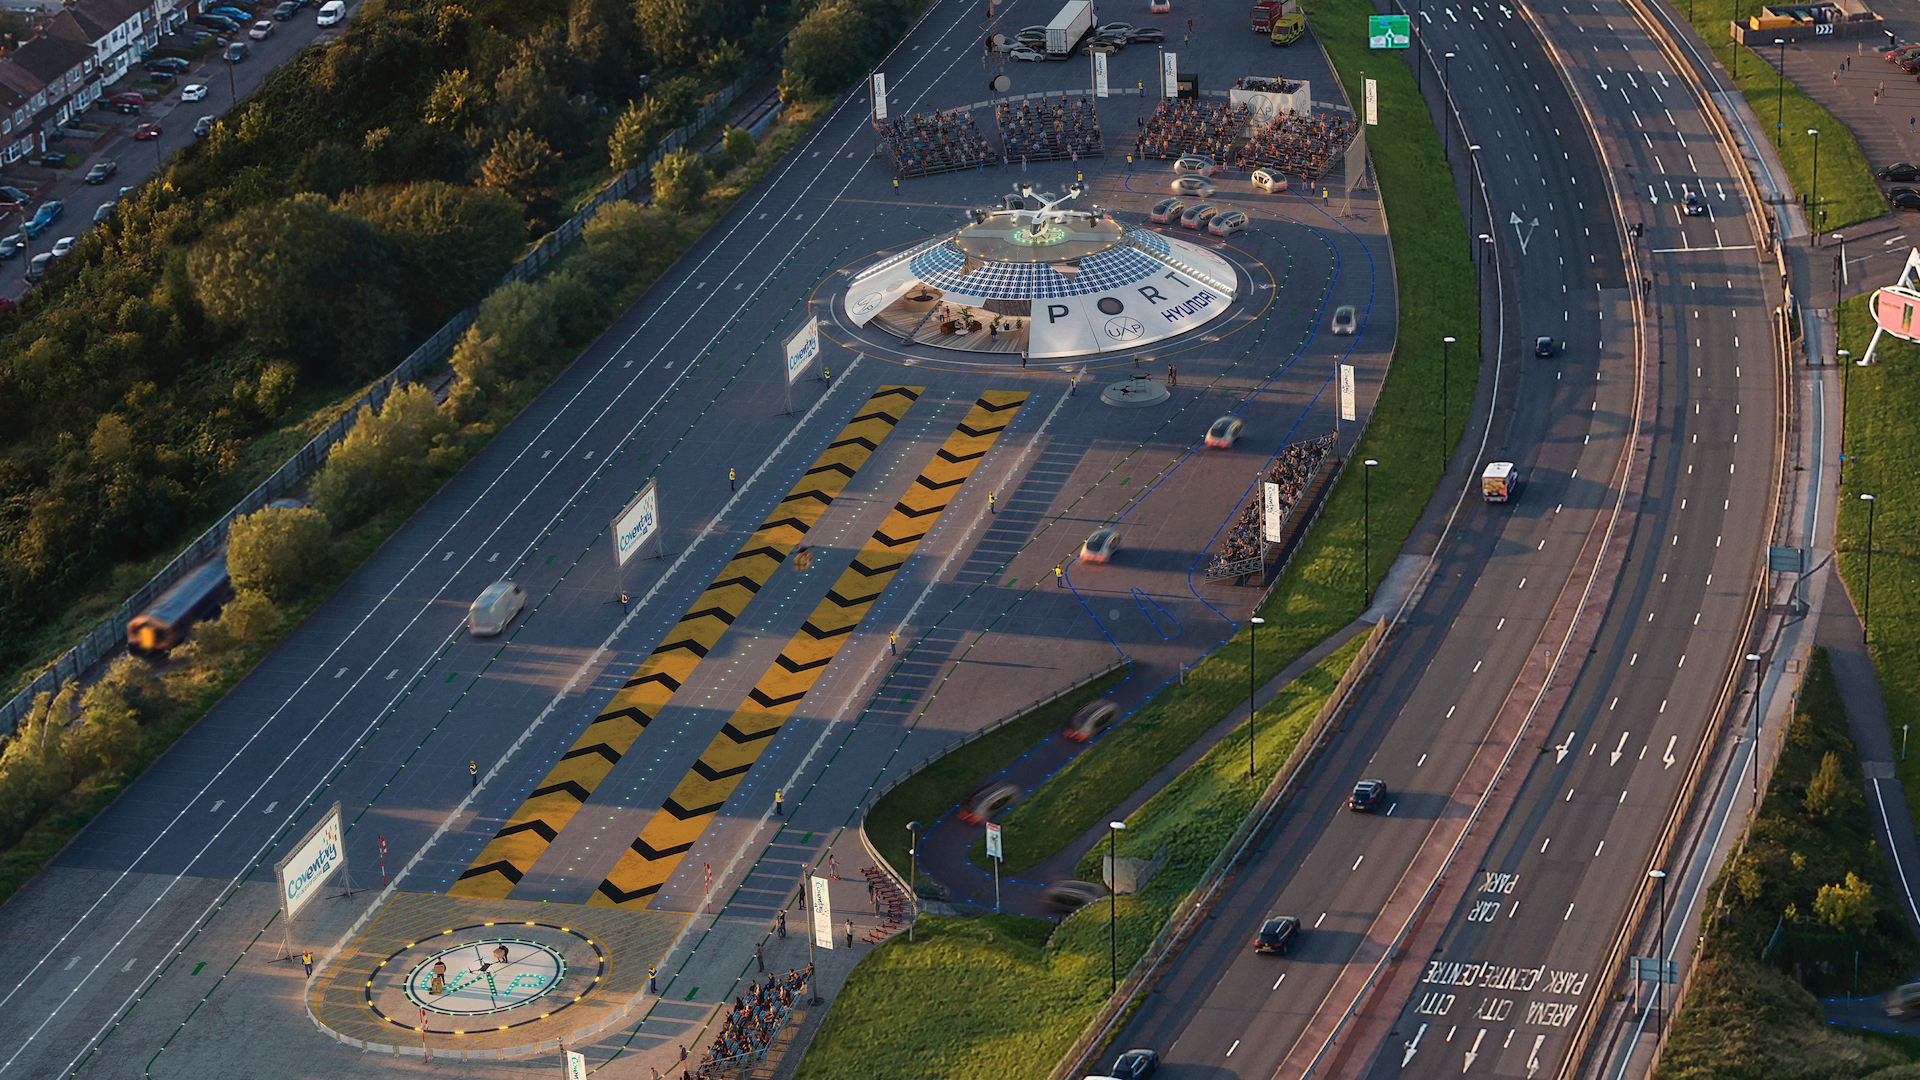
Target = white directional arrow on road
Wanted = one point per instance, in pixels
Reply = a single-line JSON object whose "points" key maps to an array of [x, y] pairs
{"points": [[1475, 1052], [1413, 1046], [1515, 221], [1560, 752], [1615, 755], [1668, 757], [1533, 1058]]}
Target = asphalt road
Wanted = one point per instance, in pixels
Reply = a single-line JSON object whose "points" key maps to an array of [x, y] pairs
{"points": [[380, 701], [1509, 976]]}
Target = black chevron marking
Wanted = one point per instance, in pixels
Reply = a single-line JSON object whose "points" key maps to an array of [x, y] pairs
{"points": [[621, 896], [798, 668], [851, 601], [899, 391], [545, 830], [602, 749], [979, 432], [815, 494], [927, 481], [650, 853], [688, 644], [909, 512], [742, 738], [957, 459], [892, 541], [631, 712], [683, 814], [715, 612], [818, 634], [857, 440], [727, 583], [983, 403], [838, 466], [795, 524], [504, 868], [766, 701], [872, 571], [719, 774], [568, 786], [764, 551]]}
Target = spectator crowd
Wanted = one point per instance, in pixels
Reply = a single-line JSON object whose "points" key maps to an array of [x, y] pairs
{"points": [[750, 1028], [1293, 470], [1063, 130], [921, 145], [1266, 86], [1192, 126], [1301, 144]]}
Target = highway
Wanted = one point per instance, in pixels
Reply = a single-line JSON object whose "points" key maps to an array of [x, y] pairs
{"points": [[1500, 974]]}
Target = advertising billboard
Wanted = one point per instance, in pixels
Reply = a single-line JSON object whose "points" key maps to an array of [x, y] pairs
{"points": [[879, 97], [803, 348], [822, 909], [636, 524], [1100, 74], [305, 870], [1169, 75]]}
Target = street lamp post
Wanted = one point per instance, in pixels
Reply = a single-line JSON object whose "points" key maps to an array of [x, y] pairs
{"points": [[1841, 239], [1866, 605], [1780, 96], [1754, 659], [1446, 363], [913, 851], [1446, 95], [1660, 958], [1845, 357], [1253, 629], [1366, 527], [1473, 162], [1113, 909], [1815, 132]]}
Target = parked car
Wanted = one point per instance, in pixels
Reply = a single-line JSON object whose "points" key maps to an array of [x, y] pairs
{"points": [[1224, 433], [1276, 934], [53, 160], [127, 101], [37, 266], [236, 52], [1100, 547], [202, 126], [1268, 182], [102, 170], [1120, 28], [228, 11], [1197, 216], [6, 304], [1194, 165], [161, 77], [1167, 211], [167, 63], [64, 245], [1102, 45], [262, 30], [1197, 186], [47, 214], [193, 92], [331, 12], [988, 800], [1024, 53], [286, 11], [1231, 223], [1901, 171], [11, 196], [143, 132], [1147, 35], [494, 608], [218, 22], [1072, 895], [1904, 202], [1091, 719], [104, 211], [1367, 796], [1344, 319], [11, 245]]}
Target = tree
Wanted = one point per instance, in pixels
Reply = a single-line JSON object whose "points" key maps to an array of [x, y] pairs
{"points": [[385, 459], [278, 551], [279, 274], [456, 101], [34, 769], [107, 734], [251, 617], [520, 167], [739, 146], [1829, 793], [1848, 908], [672, 103], [680, 180], [675, 30], [628, 237], [597, 32], [838, 42], [514, 332], [451, 244], [524, 98]]}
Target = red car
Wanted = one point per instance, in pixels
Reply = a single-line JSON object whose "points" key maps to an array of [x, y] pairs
{"points": [[146, 131], [127, 101]]}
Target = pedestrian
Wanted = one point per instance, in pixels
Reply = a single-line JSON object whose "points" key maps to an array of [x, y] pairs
{"points": [[849, 933], [306, 961], [781, 927], [873, 895], [832, 870], [1073, 383], [758, 959], [729, 479], [1173, 375], [896, 185], [893, 643], [1057, 574], [1323, 196], [623, 601], [993, 331], [1023, 359], [500, 954], [778, 796], [683, 1051], [439, 983], [990, 506], [473, 773], [653, 981]]}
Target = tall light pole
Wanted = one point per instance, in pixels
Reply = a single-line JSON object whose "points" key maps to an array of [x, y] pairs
{"points": [[1840, 279], [1113, 909], [1472, 162], [1754, 659], [1446, 365], [1366, 528], [1660, 957], [1815, 132], [1866, 606], [913, 850], [1846, 361], [1254, 628], [1780, 96], [1446, 96]]}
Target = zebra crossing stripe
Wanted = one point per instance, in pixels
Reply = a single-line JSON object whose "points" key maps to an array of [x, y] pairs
{"points": [[674, 828], [567, 786]]}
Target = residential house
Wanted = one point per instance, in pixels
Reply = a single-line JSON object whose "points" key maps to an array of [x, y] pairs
{"points": [[45, 81], [119, 32]]}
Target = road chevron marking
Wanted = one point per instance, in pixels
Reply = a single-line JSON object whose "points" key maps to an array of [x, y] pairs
{"points": [[677, 825], [533, 827]]}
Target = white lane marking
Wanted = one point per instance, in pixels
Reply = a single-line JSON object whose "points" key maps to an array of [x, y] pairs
{"points": [[70, 964], [495, 558], [392, 673], [1356, 863], [1278, 981], [447, 556], [1667, 758], [1601, 848], [1568, 915], [129, 964], [270, 806], [1235, 1046], [1318, 921], [339, 673], [1544, 843], [216, 806]]}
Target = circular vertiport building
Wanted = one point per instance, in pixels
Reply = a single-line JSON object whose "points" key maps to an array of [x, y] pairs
{"points": [[1030, 276]]}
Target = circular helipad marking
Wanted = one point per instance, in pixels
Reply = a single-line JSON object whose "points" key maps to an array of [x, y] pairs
{"points": [[485, 976], [1135, 393], [545, 969]]}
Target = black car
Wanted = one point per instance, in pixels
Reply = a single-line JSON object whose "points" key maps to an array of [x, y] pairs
{"points": [[1148, 35], [101, 171], [1544, 346], [287, 10], [172, 64], [1902, 171], [1902, 189], [1134, 1065], [1276, 934], [218, 22], [1367, 796], [1908, 201], [9, 194]]}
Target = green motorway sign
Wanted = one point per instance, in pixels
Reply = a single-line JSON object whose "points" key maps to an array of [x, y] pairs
{"points": [[1389, 31]]}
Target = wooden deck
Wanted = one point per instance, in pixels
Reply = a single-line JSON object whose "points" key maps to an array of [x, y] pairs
{"points": [[910, 322]]}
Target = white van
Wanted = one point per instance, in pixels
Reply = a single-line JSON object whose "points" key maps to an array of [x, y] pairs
{"points": [[331, 12], [495, 608]]}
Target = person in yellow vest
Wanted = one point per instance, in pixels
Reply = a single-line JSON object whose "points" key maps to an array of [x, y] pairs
{"points": [[306, 961], [777, 795]]}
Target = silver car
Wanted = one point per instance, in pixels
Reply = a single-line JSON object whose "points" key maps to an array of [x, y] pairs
{"points": [[495, 608], [1101, 546], [1024, 53], [1231, 223], [1195, 165], [1343, 320]]}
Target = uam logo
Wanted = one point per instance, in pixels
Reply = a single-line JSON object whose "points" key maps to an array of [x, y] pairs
{"points": [[866, 302], [1122, 328]]}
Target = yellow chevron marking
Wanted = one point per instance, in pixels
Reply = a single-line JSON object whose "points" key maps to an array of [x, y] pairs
{"points": [[674, 828], [526, 835]]}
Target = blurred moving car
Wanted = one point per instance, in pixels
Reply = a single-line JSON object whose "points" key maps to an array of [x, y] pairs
{"points": [[494, 608], [143, 132], [37, 266], [1694, 206], [1091, 719], [1276, 935], [1101, 546], [236, 52], [102, 170], [1343, 320], [11, 245], [1224, 433], [1367, 795], [988, 800], [202, 126], [261, 30], [1192, 185], [1072, 895]]}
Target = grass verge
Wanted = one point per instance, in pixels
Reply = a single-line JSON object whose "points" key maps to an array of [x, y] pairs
{"points": [[940, 786], [1845, 185], [1882, 442], [1006, 996], [1806, 900], [196, 682]]}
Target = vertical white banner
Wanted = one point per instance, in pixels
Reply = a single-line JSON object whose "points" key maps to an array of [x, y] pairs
{"points": [[879, 97], [1099, 74], [576, 1065], [1373, 102], [803, 348], [1270, 511], [822, 910], [1169, 75], [993, 841], [636, 524], [1346, 392]]}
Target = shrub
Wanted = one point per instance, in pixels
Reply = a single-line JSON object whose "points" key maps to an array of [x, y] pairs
{"points": [[278, 551], [251, 617], [680, 180], [108, 732], [521, 167], [385, 459], [838, 42], [739, 146]]}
